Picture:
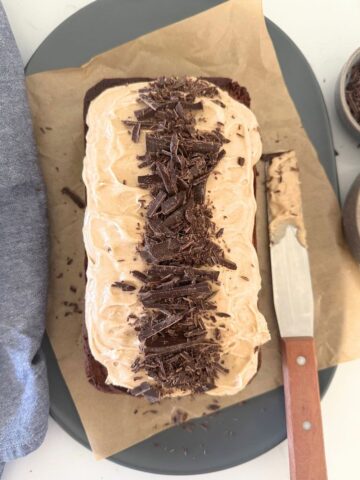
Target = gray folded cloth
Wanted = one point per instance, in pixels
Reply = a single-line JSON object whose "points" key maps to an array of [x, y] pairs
{"points": [[24, 398]]}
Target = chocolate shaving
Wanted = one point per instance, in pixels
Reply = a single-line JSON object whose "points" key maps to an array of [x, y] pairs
{"points": [[219, 233], [124, 286], [144, 113], [155, 203], [148, 180], [241, 161], [135, 134], [139, 275], [151, 330], [202, 288], [162, 251], [141, 389], [177, 347], [228, 264], [167, 177]]}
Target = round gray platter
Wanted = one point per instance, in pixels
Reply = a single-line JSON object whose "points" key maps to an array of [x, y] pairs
{"points": [[242, 432]]}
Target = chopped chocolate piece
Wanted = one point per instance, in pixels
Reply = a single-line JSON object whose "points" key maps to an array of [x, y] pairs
{"points": [[195, 333], [124, 286], [228, 264], [155, 144], [183, 270], [176, 347], [149, 102], [219, 233], [220, 155], [144, 113], [172, 203], [174, 144], [141, 389], [146, 181], [158, 227], [222, 314], [192, 106], [188, 290], [219, 102], [217, 333], [180, 110], [241, 161], [163, 250], [151, 330], [199, 193], [199, 146], [135, 134], [74, 197], [155, 203], [144, 124], [167, 177], [152, 395], [221, 368], [139, 275]]}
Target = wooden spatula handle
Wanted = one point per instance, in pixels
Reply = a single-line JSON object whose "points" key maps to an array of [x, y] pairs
{"points": [[303, 413]]}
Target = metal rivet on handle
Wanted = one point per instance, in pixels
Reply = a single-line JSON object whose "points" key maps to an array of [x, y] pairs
{"points": [[301, 360], [307, 425]]}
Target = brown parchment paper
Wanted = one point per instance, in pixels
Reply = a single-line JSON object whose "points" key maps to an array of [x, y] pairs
{"points": [[228, 40]]}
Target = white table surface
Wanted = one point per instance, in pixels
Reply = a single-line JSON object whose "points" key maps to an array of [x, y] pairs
{"points": [[327, 34]]}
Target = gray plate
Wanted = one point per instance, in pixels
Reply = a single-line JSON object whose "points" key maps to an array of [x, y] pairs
{"points": [[239, 433]]}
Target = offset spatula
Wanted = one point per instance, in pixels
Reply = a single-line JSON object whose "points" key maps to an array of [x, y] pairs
{"points": [[293, 299]]}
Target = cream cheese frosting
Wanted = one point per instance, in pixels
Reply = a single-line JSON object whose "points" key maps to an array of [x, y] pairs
{"points": [[112, 230], [285, 205]]}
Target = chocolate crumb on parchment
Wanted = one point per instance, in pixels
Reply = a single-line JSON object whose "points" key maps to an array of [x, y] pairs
{"points": [[74, 197], [179, 241]]}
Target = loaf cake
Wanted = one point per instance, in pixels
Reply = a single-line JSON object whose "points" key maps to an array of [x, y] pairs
{"points": [[172, 272]]}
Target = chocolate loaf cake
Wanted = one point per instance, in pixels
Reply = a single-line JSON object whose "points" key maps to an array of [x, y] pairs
{"points": [[172, 275]]}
